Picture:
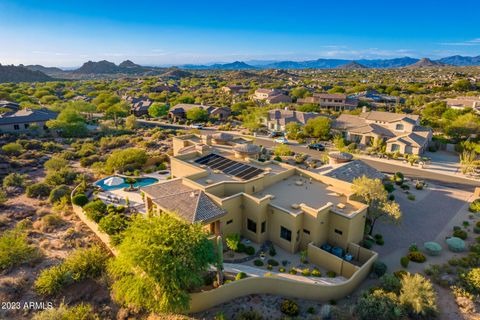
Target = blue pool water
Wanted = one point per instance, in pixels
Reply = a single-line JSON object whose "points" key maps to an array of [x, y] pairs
{"points": [[141, 182]]}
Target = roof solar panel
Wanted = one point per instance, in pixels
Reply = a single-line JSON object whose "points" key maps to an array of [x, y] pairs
{"points": [[231, 167], [245, 172], [239, 169], [219, 163], [226, 165]]}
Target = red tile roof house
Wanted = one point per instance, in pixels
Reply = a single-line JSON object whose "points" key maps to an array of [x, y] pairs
{"points": [[179, 111], [401, 132], [270, 96], [337, 102], [277, 119]]}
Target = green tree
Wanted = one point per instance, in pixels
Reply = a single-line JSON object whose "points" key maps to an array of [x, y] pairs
{"points": [[282, 150], [158, 110], [418, 296], [131, 122], [293, 129], [55, 164], [126, 159], [69, 123], [159, 260], [378, 304], [12, 149], [462, 85], [309, 107], [197, 114], [373, 193], [318, 127], [464, 126]]}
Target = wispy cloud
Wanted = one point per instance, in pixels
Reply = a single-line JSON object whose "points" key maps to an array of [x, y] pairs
{"points": [[473, 42]]}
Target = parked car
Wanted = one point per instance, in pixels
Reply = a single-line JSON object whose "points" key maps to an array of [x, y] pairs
{"points": [[316, 146], [197, 126], [281, 140], [274, 134]]}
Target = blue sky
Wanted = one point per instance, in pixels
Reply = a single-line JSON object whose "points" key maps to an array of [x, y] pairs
{"points": [[67, 33]]}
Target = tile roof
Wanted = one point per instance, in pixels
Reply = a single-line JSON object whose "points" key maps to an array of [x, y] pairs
{"points": [[27, 115], [388, 116], [285, 116], [354, 169], [189, 204]]}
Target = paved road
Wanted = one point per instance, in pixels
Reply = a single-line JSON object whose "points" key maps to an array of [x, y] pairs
{"points": [[440, 179]]}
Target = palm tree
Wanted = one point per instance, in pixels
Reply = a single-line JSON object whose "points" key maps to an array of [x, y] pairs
{"points": [[131, 182]]}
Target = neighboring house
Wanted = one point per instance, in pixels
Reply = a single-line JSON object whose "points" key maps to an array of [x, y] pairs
{"points": [[140, 107], [277, 119], [401, 132], [179, 111], [461, 103], [165, 87], [25, 120], [229, 192], [235, 90], [336, 102], [12, 106], [271, 96]]}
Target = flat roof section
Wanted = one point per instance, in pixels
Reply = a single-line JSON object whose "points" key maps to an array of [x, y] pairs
{"points": [[291, 192]]}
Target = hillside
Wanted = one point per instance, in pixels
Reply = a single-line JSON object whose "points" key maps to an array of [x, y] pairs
{"points": [[427, 63], [352, 66], [461, 61], [100, 67], [129, 64], [21, 74], [46, 70]]}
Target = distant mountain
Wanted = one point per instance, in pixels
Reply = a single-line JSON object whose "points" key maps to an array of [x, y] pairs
{"points": [[46, 70], [388, 63], [129, 64], [427, 63], [352, 66], [175, 73], [100, 67], [237, 65], [21, 74], [334, 63], [461, 61]]}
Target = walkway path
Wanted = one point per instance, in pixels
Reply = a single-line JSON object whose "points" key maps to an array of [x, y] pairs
{"points": [[257, 272]]}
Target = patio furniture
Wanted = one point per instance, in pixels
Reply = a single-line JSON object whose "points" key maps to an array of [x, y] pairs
{"points": [[341, 205], [337, 251], [348, 257], [326, 247]]}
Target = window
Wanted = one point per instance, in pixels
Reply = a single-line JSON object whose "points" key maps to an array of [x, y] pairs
{"points": [[338, 231], [285, 234], [399, 127], [252, 225], [229, 221], [26, 125], [16, 127], [298, 235], [264, 226], [395, 147], [306, 231]]}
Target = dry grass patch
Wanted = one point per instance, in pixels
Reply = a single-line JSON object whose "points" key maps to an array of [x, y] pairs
{"points": [[49, 222]]}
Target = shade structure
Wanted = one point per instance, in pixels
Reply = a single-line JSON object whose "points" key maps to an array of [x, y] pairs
{"points": [[113, 181]]}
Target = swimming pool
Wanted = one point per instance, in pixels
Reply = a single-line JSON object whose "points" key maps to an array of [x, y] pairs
{"points": [[141, 182]]}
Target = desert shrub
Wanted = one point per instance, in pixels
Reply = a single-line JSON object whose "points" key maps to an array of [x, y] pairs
{"points": [[411, 197], [12, 149], [290, 308], [269, 267], [241, 247], [416, 256], [249, 315], [258, 263], [472, 280], [80, 199], [95, 210], [379, 268], [331, 274], [232, 241], [306, 272], [281, 269], [58, 192], [389, 187], [418, 297], [52, 280], [432, 248], [404, 261], [455, 244], [15, 250], [63, 176], [462, 234], [316, 273], [419, 185], [380, 242], [377, 304], [292, 271], [273, 262], [391, 197], [412, 247], [366, 243], [49, 222], [38, 190], [390, 283], [113, 223], [272, 252], [63, 312], [14, 180], [250, 250], [400, 274], [475, 206], [240, 275], [405, 187]]}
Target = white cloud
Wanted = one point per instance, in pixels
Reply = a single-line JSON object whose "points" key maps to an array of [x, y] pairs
{"points": [[473, 42]]}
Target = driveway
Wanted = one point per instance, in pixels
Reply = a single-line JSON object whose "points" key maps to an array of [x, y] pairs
{"points": [[443, 161], [423, 219]]}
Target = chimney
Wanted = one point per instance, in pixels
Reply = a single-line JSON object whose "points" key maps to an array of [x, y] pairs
{"points": [[364, 109]]}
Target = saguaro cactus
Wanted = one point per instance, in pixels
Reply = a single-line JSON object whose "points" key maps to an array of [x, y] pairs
{"points": [[219, 260]]}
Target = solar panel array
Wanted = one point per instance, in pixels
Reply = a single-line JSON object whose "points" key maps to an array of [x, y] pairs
{"points": [[231, 167]]}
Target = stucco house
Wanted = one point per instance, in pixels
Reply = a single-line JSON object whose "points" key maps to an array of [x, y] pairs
{"points": [[402, 133], [230, 192], [461, 103], [277, 119], [179, 111], [271, 96], [332, 101], [26, 120]]}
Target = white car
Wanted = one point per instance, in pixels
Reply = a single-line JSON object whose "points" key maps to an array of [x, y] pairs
{"points": [[281, 140], [196, 126]]}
